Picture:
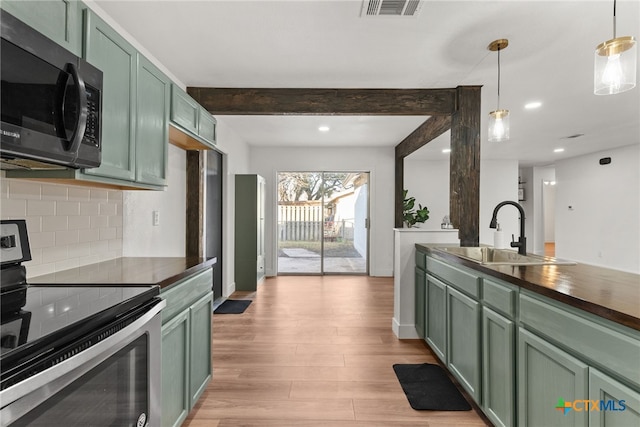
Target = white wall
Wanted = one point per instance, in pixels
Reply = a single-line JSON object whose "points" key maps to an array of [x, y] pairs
{"points": [[141, 237], [379, 161], [602, 227], [428, 182], [549, 208]]}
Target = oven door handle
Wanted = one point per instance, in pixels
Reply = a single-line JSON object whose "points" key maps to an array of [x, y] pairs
{"points": [[23, 397]]}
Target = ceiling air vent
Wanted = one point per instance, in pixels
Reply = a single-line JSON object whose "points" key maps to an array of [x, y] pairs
{"points": [[390, 7]]}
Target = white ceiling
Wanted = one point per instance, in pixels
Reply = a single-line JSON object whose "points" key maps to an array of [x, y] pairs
{"points": [[327, 44]]}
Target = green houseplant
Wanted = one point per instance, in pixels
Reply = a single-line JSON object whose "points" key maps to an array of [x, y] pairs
{"points": [[411, 216]]}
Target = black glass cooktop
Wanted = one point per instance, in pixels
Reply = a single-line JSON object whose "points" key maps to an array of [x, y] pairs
{"points": [[37, 319]]}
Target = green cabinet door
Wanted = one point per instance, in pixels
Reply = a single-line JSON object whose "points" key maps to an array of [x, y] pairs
{"points": [[249, 232], [498, 368], [185, 111], [175, 370], [548, 378], [118, 60], [152, 124], [420, 301], [436, 320], [619, 406], [59, 20], [207, 127], [200, 358], [463, 340]]}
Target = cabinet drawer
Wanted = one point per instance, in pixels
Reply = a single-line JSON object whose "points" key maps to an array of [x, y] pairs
{"points": [[500, 297], [610, 347], [207, 126], [185, 110], [184, 293], [421, 260], [455, 277]]}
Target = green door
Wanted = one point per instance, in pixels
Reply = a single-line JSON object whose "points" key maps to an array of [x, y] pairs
{"points": [[175, 370], [152, 124], [463, 340], [436, 320], [200, 357], [498, 372], [118, 60], [548, 378], [59, 20], [420, 301], [621, 407]]}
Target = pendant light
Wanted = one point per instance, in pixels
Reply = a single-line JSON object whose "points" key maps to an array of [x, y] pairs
{"points": [[615, 64], [498, 119]]}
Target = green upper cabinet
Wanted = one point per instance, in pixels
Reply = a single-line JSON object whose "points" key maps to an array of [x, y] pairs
{"points": [[152, 124], [60, 20], [185, 111], [118, 60], [207, 126], [192, 120]]}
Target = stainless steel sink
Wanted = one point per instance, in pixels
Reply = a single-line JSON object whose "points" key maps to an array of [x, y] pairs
{"points": [[491, 256]]}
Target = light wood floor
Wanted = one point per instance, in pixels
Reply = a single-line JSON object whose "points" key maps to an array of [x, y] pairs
{"points": [[314, 351]]}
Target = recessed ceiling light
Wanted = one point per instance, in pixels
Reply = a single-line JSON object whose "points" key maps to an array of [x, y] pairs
{"points": [[323, 128], [446, 150], [532, 105], [558, 150]]}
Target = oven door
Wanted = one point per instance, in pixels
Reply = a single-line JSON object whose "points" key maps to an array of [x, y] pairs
{"points": [[113, 383]]}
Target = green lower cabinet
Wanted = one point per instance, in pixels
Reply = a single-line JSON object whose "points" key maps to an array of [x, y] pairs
{"points": [[463, 341], [200, 371], [548, 377], [498, 368], [175, 370], [420, 301], [618, 405], [436, 317]]}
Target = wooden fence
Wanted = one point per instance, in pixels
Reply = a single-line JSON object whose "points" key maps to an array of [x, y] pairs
{"points": [[300, 222]]}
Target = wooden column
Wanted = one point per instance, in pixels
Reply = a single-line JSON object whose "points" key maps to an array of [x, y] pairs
{"points": [[399, 188], [195, 204], [464, 190]]}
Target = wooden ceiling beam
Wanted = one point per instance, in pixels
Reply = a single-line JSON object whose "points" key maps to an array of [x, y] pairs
{"points": [[432, 128], [356, 102]]}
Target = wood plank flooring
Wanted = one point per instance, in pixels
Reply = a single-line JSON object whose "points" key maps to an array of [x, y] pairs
{"points": [[314, 351]]}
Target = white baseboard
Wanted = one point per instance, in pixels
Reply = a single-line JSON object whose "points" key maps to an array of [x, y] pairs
{"points": [[230, 288], [404, 332]]}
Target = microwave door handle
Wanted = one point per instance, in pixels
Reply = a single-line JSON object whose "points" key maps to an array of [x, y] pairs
{"points": [[81, 119]]}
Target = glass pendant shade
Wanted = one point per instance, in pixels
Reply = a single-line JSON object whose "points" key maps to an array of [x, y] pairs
{"points": [[615, 66], [498, 125]]}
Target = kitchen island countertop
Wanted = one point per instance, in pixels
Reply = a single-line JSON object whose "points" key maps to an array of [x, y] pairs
{"points": [[162, 271], [611, 294]]}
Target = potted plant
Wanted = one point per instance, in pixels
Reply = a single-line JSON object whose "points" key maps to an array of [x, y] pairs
{"points": [[411, 216]]}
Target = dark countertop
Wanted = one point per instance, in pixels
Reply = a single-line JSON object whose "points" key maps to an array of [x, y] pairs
{"points": [[611, 294], [129, 271]]}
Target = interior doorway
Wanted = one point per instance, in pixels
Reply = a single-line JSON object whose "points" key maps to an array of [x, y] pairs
{"points": [[323, 222], [549, 219]]}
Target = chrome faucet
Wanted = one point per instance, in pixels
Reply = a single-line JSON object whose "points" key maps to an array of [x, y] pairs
{"points": [[521, 244]]}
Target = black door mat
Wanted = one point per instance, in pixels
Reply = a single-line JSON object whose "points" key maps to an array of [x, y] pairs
{"points": [[232, 306], [428, 387]]}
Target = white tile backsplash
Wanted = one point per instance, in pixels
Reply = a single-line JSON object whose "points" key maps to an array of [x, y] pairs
{"points": [[68, 226]]}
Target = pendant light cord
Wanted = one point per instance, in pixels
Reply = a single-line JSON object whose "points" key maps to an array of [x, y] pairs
{"points": [[614, 19], [498, 79]]}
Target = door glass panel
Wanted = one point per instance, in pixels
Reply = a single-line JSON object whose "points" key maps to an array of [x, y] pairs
{"points": [[322, 222], [345, 213], [299, 222]]}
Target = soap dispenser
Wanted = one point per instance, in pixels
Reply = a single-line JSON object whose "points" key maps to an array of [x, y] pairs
{"points": [[498, 238]]}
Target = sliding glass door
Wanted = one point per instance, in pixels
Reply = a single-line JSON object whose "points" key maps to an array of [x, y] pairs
{"points": [[323, 220]]}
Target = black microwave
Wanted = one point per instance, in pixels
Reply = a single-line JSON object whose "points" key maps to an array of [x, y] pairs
{"points": [[51, 102]]}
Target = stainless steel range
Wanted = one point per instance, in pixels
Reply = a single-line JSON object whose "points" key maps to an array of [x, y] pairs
{"points": [[75, 355]]}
